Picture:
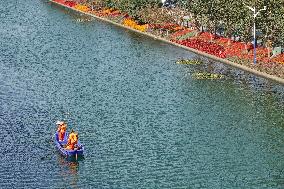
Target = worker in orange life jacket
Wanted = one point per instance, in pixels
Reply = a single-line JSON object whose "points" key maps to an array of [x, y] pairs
{"points": [[72, 141], [62, 127]]}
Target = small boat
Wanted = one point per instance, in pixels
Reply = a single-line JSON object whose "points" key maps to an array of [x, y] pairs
{"points": [[79, 151]]}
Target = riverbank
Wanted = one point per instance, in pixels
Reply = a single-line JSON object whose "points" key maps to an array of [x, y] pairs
{"points": [[246, 66]]}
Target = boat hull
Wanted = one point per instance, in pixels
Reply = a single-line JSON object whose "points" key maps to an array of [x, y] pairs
{"points": [[67, 153]]}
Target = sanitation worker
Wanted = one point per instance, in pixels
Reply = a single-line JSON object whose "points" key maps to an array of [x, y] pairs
{"points": [[61, 131], [72, 141]]}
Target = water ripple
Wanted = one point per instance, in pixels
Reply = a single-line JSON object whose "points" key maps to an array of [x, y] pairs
{"points": [[144, 121]]}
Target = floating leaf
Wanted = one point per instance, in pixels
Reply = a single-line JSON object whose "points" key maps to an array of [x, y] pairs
{"points": [[190, 62], [204, 75]]}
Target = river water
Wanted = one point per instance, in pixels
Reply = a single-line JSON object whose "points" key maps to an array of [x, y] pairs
{"points": [[144, 120]]}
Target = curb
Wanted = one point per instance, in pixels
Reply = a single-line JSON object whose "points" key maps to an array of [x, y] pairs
{"points": [[239, 66]]}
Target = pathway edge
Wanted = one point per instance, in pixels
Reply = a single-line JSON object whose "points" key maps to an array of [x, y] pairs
{"points": [[239, 66]]}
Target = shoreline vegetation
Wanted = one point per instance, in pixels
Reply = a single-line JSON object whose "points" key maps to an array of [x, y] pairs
{"points": [[225, 50]]}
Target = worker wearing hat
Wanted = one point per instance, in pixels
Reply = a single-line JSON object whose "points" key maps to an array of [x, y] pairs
{"points": [[62, 127]]}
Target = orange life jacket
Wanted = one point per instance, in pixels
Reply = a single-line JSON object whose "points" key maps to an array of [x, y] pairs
{"points": [[72, 141], [61, 133], [61, 136]]}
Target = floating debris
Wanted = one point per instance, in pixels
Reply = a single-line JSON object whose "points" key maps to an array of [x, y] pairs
{"points": [[190, 62], [83, 20], [204, 75]]}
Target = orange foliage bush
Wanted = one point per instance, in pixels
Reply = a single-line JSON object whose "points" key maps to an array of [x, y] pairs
{"points": [[83, 8], [132, 24]]}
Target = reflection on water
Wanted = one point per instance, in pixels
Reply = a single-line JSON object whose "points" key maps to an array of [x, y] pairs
{"points": [[68, 171], [143, 120], [241, 79]]}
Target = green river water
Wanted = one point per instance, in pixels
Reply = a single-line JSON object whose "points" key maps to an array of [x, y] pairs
{"points": [[144, 120]]}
